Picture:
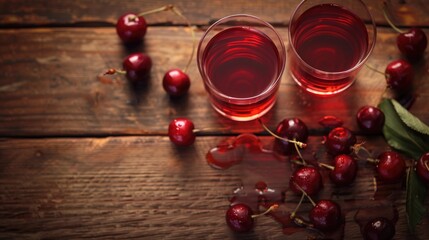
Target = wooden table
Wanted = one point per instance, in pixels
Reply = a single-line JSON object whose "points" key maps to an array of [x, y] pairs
{"points": [[88, 157]]}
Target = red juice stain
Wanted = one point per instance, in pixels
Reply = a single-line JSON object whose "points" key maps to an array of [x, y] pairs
{"points": [[330, 122]]}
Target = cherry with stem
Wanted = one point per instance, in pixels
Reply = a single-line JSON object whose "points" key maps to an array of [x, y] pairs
{"points": [[411, 43], [294, 141]]}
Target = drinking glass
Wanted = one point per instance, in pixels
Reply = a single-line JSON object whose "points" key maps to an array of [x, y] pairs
{"points": [[329, 42], [241, 59]]}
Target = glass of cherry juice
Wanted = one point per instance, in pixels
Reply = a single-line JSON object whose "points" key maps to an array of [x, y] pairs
{"points": [[241, 59], [329, 42]]}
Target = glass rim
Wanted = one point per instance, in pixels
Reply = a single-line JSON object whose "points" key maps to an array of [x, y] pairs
{"points": [[282, 56], [358, 65]]}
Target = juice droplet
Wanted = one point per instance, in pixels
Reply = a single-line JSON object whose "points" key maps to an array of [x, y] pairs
{"points": [[330, 122]]}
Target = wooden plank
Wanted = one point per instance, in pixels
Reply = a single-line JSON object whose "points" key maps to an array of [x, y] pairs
{"points": [[105, 13], [49, 86], [120, 187]]}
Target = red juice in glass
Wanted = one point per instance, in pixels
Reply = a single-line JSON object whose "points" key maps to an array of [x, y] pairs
{"points": [[241, 68], [328, 46]]}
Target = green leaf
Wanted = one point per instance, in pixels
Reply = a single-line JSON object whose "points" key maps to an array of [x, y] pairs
{"points": [[399, 135], [416, 192], [406, 133], [410, 120]]}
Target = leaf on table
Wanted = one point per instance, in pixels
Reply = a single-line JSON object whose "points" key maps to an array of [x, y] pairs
{"points": [[416, 192], [410, 120], [398, 135]]}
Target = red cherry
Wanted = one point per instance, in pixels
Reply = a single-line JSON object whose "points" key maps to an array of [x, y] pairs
{"points": [[131, 28], [290, 128], [326, 215], [181, 132], [412, 43], [340, 141], [308, 178], [239, 218], [345, 170], [391, 167], [137, 66], [176, 83], [422, 168], [399, 75], [379, 229], [370, 119]]}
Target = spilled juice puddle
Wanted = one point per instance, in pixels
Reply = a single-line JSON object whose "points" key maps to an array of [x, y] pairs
{"points": [[265, 180]]}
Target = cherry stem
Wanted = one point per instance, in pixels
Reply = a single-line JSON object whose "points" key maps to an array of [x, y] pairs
{"points": [[175, 10], [326, 166], [300, 144], [359, 147], [270, 209], [299, 152], [113, 71], [292, 215], [376, 70], [303, 192], [388, 19], [200, 130], [427, 165], [161, 9]]}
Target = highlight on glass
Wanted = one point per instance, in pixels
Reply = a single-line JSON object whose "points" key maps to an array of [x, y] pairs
{"points": [[241, 59]]}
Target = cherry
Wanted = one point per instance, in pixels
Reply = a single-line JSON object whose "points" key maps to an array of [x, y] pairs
{"points": [[293, 129], [399, 75], [137, 67], [344, 170], [326, 215], [340, 141], [370, 119], [181, 132], [422, 168], [412, 43], [306, 178], [131, 28], [176, 83], [239, 218], [379, 228], [390, 167]]}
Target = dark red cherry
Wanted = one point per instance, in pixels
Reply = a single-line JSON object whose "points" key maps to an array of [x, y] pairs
{"points": [[137, 67], [391, 167], [181, 132], [239, 218], [340, 141], [422, 168], [131, 28], [176, 83], [412, 43], [345, 170], [370, 119], [379, 228], [308, 178], [326, 215], [290, 128], [399, 75]]}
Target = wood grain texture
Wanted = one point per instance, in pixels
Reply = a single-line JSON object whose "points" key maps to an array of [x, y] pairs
{"points": [[121, 188], [106, 13], [49, 86]]}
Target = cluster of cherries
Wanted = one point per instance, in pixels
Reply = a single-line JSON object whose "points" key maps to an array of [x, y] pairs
{"points": [[412, 44], [131, 29], [307, 179]]}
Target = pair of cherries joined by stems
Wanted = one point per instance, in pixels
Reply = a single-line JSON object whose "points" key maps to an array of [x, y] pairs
{"points": [[412, 44], [131, 29]]}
